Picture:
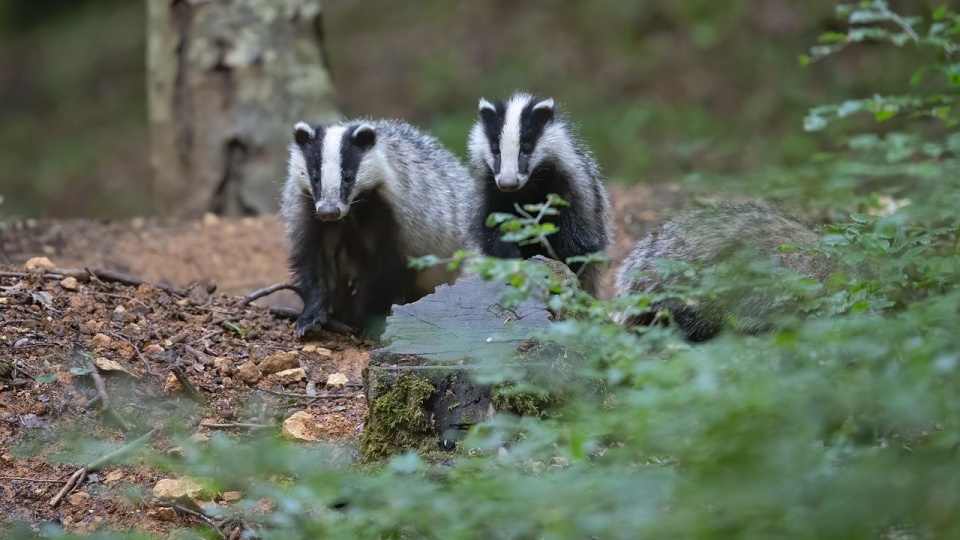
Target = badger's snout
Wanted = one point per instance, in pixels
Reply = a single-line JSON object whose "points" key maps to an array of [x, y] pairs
{"points": [[328, 212], [511, 182]]}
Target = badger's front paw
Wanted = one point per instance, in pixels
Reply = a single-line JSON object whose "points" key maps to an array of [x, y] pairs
{"points": [[312, 318]]}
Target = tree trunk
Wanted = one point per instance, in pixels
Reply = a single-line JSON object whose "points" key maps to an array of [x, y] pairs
{"points": [[227, 79]]}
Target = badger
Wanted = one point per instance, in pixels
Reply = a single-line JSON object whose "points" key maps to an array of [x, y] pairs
{"points": [[521, 150], [707, 236], [361, 198]]}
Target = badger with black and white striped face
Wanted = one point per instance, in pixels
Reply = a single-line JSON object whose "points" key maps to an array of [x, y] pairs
{"points": [[523, 149], [362, 198]]}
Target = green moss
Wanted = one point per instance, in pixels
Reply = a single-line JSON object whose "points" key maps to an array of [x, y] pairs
{"points": [[396, 420]]}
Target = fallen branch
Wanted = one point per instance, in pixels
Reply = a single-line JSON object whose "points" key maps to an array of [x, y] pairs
{"points": [[81, 473], [41, 480], [192, 391], [201, 356], [238, 425], [266, 291], [199, 515], [105, 398], [86, 274]]}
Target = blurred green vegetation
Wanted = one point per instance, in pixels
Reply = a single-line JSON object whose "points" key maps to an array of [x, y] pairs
{"points": [[660, 88]]}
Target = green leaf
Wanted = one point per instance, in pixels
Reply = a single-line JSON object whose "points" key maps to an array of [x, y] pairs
{"points": [[940, 13], [885, 114], [803, 60], [832, 37], [79, 371], [45, 379]]}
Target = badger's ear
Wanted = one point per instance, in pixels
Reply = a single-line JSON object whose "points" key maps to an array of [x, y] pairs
{"points": [[543, 111], [302, 133], [364, 136], [488, 113]]}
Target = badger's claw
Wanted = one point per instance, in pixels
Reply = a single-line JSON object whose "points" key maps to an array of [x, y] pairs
{"points": [[310, 319]]}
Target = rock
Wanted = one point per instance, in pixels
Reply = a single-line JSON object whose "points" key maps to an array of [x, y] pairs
{"points": [[200, 438], [230, 496], [69, 283], [106, 364], [248, 372], [79, 498], [171, 384], [153, 348], [39, 262], [174, 488], [280, 361], [114, 476], [290, 376], [210, 219], [164, 513], [337, 381], [301, 427], [314, 348], [101, 340], [221, 362]]}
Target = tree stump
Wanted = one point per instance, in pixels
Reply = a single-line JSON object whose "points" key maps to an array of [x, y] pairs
{"points": [[419, 386], [227, 79]]}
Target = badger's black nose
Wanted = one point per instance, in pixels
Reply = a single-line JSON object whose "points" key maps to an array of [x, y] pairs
{"points": [[328, 212]]}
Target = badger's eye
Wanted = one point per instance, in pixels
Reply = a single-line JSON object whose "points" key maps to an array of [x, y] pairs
{"points": [[495, 150], [526, 148]]}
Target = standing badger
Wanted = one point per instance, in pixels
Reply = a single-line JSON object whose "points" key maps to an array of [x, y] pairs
{"points": [[706, 237], [522, 150], [360, 199]]}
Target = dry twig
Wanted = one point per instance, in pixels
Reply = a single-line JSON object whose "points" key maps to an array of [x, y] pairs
{"points": [[192, 391], [105, 398], [86, 274], [237, 425], [266, 291], [81, 473]]}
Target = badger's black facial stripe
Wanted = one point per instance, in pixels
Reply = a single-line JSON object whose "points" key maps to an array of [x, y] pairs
{"points": [[352, 150], [312, 149], [493, 125], [533, 120]]}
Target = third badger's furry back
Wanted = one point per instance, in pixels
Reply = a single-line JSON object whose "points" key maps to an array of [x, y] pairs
{"points": [[361, 198], [523, 149], [706, 237]]}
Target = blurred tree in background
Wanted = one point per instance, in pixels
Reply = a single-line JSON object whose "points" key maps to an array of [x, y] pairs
{"points": [[661, 88]]}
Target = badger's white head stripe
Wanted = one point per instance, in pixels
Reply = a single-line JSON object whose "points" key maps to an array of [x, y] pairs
{"points": [[510, 143], [330, 174]]}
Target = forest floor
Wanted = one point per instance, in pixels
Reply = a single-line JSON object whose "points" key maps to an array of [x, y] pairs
{"points": [[70, 346]]}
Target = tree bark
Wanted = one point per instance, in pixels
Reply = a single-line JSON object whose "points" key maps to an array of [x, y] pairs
{"points": [[227, 79]]}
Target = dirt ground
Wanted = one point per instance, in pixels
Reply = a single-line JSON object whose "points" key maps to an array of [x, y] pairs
{"points": [[136, 337]]}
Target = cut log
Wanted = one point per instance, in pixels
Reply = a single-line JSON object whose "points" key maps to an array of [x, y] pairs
{"points": [[420, 385]]}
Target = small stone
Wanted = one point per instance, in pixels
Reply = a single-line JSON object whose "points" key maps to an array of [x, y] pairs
{"points": [[137, 222], [101, 340], [220, 362], [210, 219], [290, 376], [248, 372], [164, 513], [301, 427], [230, 496], [337, 381], [171, 384], [200, 438], [174, 488], [78, 498], [280, 361], [309, 347], [69, 283], [119, 310], [49, 250], [106, 364], [153, 348], [114, 476], [39, 262]]}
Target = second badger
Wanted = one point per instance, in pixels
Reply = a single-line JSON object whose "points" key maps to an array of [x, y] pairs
{"points": [[522, 150], [360, 199]]}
